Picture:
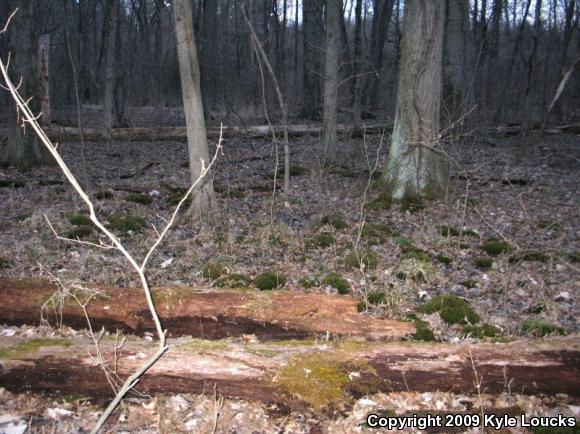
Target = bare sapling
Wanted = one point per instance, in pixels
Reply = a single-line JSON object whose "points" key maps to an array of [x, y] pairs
{"points": [[28, 118]]}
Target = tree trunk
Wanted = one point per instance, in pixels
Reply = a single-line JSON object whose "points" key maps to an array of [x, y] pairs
{"points": [[208, 55], [414, 168], [313, 47], [23, 149], [203, 199], [109, 91], [331, 79], [298, 374], [356, 87], [43, 79]]}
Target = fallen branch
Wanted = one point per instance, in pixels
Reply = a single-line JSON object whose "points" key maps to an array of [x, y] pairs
{"points": [[203, 313]]}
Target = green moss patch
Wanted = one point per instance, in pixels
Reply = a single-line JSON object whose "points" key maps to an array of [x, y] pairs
{"points": [[4, 262], [538, 327], [412, 204], [201, 345], [376, 297], [212, 270], [495, 247], [30, 347], [417, 255], [444, 259], [418, 270], [79, 219], [126, 223], [79, 232], [104, 194], [367, 259], [234, 280], [483, 263], [376, 233], [337, 282], [424, 332], [337, 221], [269, 280], [308, 282], [573, 256], [140, 198], [321, 241], [481, 331], [532, 256], [452, 309], [537, 307], [470, 283]]}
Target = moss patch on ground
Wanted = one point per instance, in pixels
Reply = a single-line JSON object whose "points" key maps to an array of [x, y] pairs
{"points": [[483, 263], [495, 247], [234, 280], [140, 198], [377, 233], [126, 223], [337, 221], [212, 270], [531, 256], [79, 232], [368, 259], [30, 347], [538, 327], [269, 280], [382, 202], [200, 345], [77, 219], [444, 259], [337, 282], [481, 331], [418, 270], [452, 309], [4, 262], [104, 194], [320, 241]]}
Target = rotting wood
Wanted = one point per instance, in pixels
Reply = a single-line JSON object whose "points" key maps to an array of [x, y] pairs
{"points": [[202, 313], [253, 370]]}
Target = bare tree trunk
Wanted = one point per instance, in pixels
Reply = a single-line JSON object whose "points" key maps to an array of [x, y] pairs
{"points": [[23, 150], [357, 109], [43, 78], [203, 199], [313, 40], [414, 168], [108, 97], [331, 77]]}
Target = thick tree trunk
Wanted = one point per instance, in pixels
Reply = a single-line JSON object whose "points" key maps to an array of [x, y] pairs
{"points": [[109, 90], [203, 199], [357, 79], [331, 79], [322, 376], [43, 79], [23, 149], [414, 168], [313, 47], [210, 314]]}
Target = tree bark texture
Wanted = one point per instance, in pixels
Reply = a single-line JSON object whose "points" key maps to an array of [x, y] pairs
{"points": [[313, 40], [109, 89], [331, 80]]}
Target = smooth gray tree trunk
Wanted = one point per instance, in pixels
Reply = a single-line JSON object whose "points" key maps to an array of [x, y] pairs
{"points": [[331, 78], [414, 169], [203, 199], [108, 96]]}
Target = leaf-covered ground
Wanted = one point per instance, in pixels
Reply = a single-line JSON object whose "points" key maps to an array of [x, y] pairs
{"points": [[520, 193]]}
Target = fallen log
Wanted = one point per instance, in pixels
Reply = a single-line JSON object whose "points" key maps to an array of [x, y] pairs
{"points": [[203, 313], [299, 374]]}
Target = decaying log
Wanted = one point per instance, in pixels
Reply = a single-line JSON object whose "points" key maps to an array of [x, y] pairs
{"points": [[297, 373], [202, 313]]}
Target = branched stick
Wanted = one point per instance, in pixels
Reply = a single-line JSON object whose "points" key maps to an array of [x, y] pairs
{"points": [[29, 118]]}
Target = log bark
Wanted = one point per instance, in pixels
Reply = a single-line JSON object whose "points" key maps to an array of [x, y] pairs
{"points": [[200, 313], [259, 371]]}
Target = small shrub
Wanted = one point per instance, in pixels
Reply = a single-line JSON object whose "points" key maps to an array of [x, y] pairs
{"points": [[481, 331], [337, 282], [538, 328], [376, 233], [538, 307], [143, 199], [234, 280], [405, 243], [444, 259], [424, 332], [494, 247], [337, 221], [212, 270], [452, 309], [368, 259], [79, 220], [483, 263], [321, 240], [308, 282], [376, 297], [79, 232], [103, 194], [533, 256], [126, 223], [269, 280], [412, 204]]}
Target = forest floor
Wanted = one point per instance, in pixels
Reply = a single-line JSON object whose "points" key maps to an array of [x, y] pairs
{"points": [[519, 193]]}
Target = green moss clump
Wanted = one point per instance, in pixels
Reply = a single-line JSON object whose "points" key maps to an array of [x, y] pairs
{"points": [[417, 255], [470, 283], [361, 306], [31, 346], [4, 262], [444, 259], [532, 256], [337, 282], [376, 233], [126, 223], [538, 307], [481, 331], [537, 327], [573, 256], [321, 240], [79, 219], [143, 199], [412, 204], [376, 297], [494, 247], [452, 309], [483, 263], [449, 231], [212, 270], [424, 332], [103, 194], [308, 282], [337, 221], [368, 259], [79, 232], [234, 280], [269, 280], [200, 345]]}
